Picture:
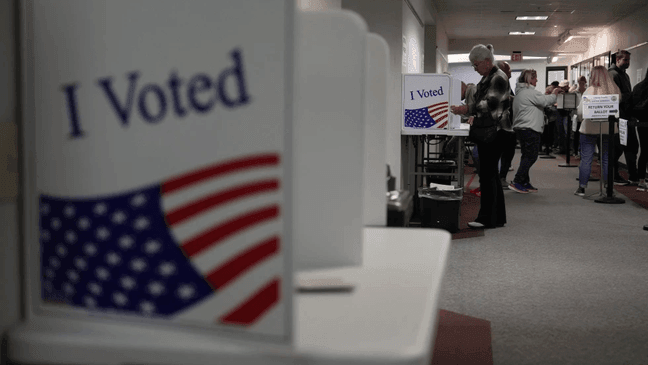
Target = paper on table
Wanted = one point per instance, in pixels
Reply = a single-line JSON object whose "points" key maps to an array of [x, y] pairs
{"points": [[442, 186], [330, 284]]}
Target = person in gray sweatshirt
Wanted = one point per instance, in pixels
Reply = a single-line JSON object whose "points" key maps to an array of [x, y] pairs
{"points": [[528, 124]]}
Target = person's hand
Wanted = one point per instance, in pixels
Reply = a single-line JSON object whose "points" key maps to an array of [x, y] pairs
{"points": [[459, 109], [558, 90], [470, 120]]}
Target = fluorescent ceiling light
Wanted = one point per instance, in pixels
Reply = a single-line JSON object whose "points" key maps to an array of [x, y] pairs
{"points": [[569, 38], [463, 58], [521, 33], [539, 17]]}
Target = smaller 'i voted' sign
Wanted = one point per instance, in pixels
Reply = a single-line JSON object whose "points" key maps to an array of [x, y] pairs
{"points": [[162, 161], [426, 102]]}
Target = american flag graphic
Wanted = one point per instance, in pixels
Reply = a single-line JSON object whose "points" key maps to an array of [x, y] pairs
{"points": [[432, 116], [160, 250]]}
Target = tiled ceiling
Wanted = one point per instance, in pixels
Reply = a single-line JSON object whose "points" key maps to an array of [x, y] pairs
{"points": [[470, 22]]}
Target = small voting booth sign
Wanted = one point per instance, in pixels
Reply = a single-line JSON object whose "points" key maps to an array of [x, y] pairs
{"points": [[162, 139], [600, 106], [426, 101]]}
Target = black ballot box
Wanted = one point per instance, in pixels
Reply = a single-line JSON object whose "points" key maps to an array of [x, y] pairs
{"points": [[440, 208]]}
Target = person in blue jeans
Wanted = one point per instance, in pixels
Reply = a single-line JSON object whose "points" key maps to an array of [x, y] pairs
{"points": [[600, 84], [528, 124]]}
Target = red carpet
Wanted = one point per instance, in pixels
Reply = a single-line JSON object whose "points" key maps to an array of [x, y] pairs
{"points": [[639, 197], [462, 340]]}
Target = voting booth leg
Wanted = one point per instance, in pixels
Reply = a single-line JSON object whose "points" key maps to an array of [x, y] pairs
{"points": [[567, 144], [609, 199]]}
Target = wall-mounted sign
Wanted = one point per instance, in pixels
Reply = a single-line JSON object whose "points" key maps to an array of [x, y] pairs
{"points": [[413, 56], [162, 161], [516, 56], [600, 106]]}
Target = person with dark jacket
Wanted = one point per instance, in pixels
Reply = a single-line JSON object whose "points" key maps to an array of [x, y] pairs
{"points": [[491, 104], [618, 73], [640, 111]]}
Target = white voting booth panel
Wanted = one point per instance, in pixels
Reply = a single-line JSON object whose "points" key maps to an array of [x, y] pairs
{"points": [[181, 115], [329, 139], [355, 328], [158, 196], [426, 103], [375, 151]]}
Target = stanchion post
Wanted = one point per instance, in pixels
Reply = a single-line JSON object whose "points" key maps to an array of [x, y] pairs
{"points": [[609, 199], [567, 144]]}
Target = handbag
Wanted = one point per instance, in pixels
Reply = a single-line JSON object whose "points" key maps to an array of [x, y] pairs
{"points": [[483, 130]]}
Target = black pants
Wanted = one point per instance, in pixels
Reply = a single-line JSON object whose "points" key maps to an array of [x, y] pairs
{"points": [[492, 210], [577, 138], [529, 143], [508, 151], [630, 151], [643, 157]]}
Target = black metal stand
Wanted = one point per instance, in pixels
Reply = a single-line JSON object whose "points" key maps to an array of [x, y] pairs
{"points": [[609, 198], [567, 146]]}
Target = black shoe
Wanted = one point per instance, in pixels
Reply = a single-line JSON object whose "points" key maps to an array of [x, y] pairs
{"points": [[620, 181], [580, 191]]}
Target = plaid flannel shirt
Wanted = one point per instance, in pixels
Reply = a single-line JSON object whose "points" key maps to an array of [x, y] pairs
{"points": [[493, 92]]}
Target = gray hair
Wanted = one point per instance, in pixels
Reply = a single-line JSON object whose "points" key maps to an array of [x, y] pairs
{"points": [[481, 52], [527, 75]]}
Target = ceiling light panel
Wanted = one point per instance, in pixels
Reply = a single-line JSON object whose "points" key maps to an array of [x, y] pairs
{"points": [[535, 17], [521, 33]]}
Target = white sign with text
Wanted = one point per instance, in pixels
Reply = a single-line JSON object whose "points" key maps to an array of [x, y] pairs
{"points": [[163, 138], [600, 106]]}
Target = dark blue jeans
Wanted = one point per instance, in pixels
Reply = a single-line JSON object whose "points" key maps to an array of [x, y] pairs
{"points": [[529, 146]]}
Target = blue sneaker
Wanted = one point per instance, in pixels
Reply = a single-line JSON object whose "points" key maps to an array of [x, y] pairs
{"points": [[518, 187], [530, 188]]}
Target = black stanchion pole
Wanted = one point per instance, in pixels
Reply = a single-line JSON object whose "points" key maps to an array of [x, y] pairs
{"points": [[609, 198], [567, 144]]}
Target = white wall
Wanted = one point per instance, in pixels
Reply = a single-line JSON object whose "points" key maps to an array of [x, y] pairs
{"points": [[317, 5], [628, 32]]}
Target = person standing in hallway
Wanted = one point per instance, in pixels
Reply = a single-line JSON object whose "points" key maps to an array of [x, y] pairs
{"points": [[640, 111], [562, 123], [622, 80], [600, 84], [551, 114], [490, 104], [579, 90], [508, 134], [528, 123]]}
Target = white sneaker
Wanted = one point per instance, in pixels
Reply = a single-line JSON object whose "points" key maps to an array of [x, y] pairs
{"points": [[642, 186], [475, 225]]}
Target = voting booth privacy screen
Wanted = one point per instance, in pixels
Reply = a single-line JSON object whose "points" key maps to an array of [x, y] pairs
{"points": [[161, 168], [426, 102]]}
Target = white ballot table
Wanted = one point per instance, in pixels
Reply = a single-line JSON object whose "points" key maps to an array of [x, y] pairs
{"points": [[389, 318]]}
